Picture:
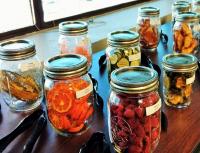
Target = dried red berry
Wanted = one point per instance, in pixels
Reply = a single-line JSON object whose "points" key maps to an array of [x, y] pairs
{"points": [[154, 122], [139, 112], [147, 124], [139, 130], [154, 134], [138, 142], [129, 113]]}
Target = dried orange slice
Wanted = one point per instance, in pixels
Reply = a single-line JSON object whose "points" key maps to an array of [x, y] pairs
{"points": [[76, 129], [55, 120]]}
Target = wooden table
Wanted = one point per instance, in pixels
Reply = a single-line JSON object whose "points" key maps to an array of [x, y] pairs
{"points": [[183, 131]]}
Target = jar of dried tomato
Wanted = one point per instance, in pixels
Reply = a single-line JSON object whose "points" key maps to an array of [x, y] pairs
{"points": [[69, 94], [148, 24], [20, 75], [178, 78], [74, 39], [186, 33], [134, 110], [123, 50]]}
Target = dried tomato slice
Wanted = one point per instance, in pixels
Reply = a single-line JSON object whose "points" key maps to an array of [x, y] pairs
{"points": [[55, 120], [76, 129]]}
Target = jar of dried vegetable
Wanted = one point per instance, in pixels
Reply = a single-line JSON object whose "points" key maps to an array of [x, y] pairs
{"points": [[178, 78], [69, 94], [148, 24], [74, 39], [134, 110], [123, 50], [20, 75]]}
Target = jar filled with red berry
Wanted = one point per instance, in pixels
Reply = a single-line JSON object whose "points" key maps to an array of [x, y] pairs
{"points": [[134, 110], [74, 39], [69, 94]]}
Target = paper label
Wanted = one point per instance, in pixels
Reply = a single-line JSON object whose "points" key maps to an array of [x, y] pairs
{"points": [[134, 57], [190, 80], [154, 108], [28, 66], [84, 92]]}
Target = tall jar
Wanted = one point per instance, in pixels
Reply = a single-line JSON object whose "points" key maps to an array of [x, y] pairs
{"points": [[178, 8], [123, 50], [134, 110], [20, 75], [74, 39], [196, 6], [178, 77], [148, 24], [69, 94], [186, 33]]}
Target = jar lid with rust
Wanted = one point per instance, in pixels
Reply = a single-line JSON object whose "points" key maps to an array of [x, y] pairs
{"points": [[149, 11], [65, 66], [188, 17], [17, 49], [73, 27], [179, 62], [134, 80], [122, 38]]}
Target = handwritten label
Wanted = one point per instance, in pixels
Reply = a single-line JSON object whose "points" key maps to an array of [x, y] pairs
{"points": [[84, 92], [154, 108], [190, 80], [135, 57], [28, 66]]}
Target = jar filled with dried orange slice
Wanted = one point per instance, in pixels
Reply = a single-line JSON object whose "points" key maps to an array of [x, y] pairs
{"points": [[69, 94], [186, 33], [148, 24]]}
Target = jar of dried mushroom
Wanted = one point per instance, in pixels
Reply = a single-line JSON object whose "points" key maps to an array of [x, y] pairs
{"points": [[178, 78], [20, 75], [69, 94], [196, 6], [186, 32], [134, 110], [123, 50], [148, 24], [74, 39]]}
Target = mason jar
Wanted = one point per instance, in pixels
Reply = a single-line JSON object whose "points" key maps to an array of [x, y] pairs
{"points": [[186, 33], [69, 94], [74, 39], [134, 110], [196, 6], [20, 75], [148, 24], [123, 50], [178, 78]]}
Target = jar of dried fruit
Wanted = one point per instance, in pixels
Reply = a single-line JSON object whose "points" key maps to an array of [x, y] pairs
{"points": [[134, 110], [178, 78], [186, 32], [20, 75], [123, 50], [74, 39], [148, 24], [196, 6], [69, 94]]}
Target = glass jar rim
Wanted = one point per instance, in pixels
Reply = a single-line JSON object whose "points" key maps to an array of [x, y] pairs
{"points": [[149, 11], [188, 17]]}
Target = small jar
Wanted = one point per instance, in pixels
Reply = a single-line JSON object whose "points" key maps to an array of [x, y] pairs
{"points": [[178, 8], [186, 33], [69, 94], [178, 78], [148, 24], [134, 110], [196, 6], [20, 75], [123, 50], [74, 39]]}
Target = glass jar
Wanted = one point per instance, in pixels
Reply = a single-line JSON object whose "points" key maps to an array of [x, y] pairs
{"points": [[74, 39], [20, 75], [123, 50], [69, 94], [186, 33], [148, 24], [178, 78], [196, 6], [134, 110]]}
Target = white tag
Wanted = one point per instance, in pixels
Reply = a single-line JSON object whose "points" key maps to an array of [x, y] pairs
{"points": [[134, 57], [190, 80], [84, 92], [28, 66], [154, 108]]}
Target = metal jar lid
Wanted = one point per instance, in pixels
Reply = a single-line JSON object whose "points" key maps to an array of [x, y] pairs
{"points": [[148, 11], [188, 17], [123, 38], [179, 62], [17, 49], [73, 27], [183, 2], [134, 80], [65, 66], [180, 8]]}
